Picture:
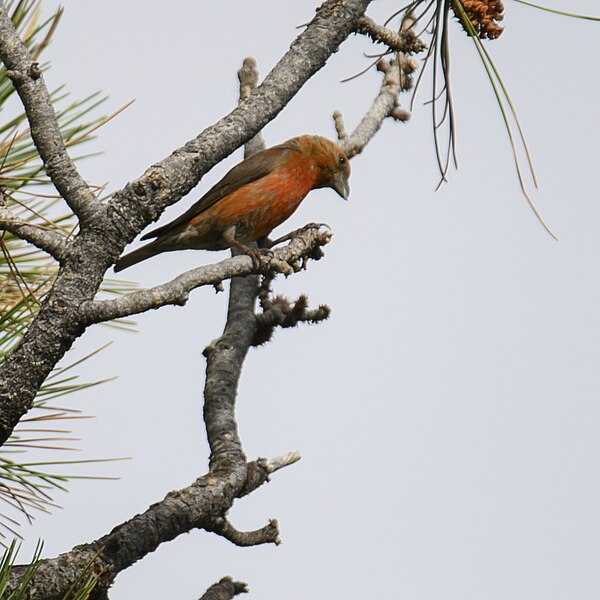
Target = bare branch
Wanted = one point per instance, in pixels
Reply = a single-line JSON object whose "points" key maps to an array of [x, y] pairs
{"points": [[179, 512], [269, 534], [55, 244], [201, 505], [281, 312], [259, 471], [224, 360], [225, 357], [226, 589], [176, 291], [405, 41], [28, 80], [248, 78], [280, 462], [382, 107], [397, 78]]}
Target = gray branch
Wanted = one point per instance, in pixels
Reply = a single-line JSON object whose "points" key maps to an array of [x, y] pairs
{"points": [[225, 357], [385, 105], [226, 589], [269, 534], [51, 242], [176, 291], [380, 110], [28, 80], [405, 41], [279, 311], [396, 78], [198, 506]]}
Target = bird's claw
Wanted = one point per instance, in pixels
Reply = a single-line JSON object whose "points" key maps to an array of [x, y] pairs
{"points": [[310, 226], [288, 236], [258, 255], [264, 261]]}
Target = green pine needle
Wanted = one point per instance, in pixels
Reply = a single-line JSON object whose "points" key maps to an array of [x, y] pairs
{"points": [[556, 11]]}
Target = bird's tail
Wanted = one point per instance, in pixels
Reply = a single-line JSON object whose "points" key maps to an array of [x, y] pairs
{"points": [[138, 255]]}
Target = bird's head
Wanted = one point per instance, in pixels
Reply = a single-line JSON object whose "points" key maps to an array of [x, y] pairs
{"points": [[331, 162]]}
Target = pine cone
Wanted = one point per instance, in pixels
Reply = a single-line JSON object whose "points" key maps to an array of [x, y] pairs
{"points": [[483, 14]]}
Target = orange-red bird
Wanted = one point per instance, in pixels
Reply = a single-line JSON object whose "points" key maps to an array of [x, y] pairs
{"points": [[252, 199]]}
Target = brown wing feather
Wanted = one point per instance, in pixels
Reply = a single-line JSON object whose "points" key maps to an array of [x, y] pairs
{"points": [[255, 167]]}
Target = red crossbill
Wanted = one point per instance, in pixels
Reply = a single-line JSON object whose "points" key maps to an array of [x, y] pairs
{"points": [[252, 199]]}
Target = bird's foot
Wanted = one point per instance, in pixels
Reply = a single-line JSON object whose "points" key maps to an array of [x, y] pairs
{"points": [[289, 236], [256, 254]]}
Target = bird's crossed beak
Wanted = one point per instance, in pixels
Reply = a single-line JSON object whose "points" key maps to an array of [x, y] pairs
{"points": [[341, 185]]}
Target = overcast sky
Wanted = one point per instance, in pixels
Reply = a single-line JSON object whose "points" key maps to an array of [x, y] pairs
{"points": [[448, 412]]}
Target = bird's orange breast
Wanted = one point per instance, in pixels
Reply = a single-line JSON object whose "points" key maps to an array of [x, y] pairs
{"points": [[258, 207]]}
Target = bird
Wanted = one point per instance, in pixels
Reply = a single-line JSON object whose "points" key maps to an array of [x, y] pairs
{"points": [[252, 199]]}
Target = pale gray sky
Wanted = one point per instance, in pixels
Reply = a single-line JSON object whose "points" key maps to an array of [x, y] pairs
{"points": [[448, 412]]}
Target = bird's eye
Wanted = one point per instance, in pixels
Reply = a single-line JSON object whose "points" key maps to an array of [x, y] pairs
{"points": [[342, 160]]}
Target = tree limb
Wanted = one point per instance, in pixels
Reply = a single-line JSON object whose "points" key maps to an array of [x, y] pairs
{"points": [[198, 506], [176, 291], [225, 356], [396, 78], [28, 80], [371, 123], [51, 242]]}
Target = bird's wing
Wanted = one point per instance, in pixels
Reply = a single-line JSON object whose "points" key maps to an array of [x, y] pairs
{"points": [[255, 167]]}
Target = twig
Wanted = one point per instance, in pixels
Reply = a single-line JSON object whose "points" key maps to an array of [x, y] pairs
{"points": [[53, 243], [259, 471], [281, 312], [248, 78], [382, 107], [269, 534], [405, 41], [226, 589], [385, 105], [396, 78], [280, 462]]}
